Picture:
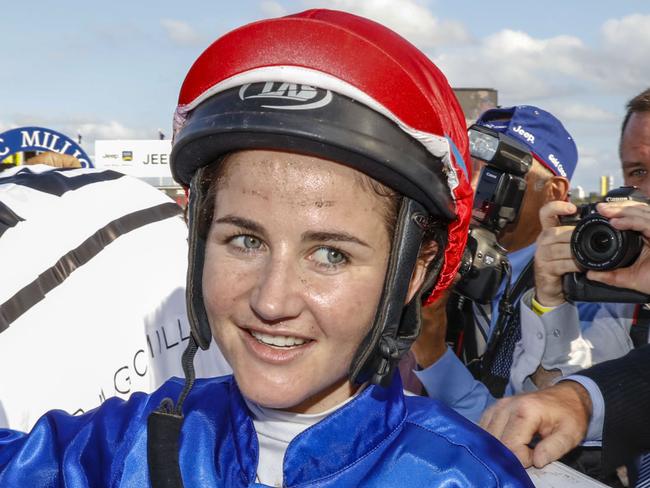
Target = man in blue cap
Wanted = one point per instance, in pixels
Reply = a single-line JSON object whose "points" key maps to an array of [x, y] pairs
{"points": [[608, 402], [540, 340], [529, 350]]}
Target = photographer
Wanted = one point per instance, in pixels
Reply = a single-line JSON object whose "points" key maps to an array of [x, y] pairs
{"points": [[611, 401], [558, 336], [614, 391], [611, 329], [444, 376]]}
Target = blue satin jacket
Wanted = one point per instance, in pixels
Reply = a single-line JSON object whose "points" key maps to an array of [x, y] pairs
{"points": [[381, 438]]}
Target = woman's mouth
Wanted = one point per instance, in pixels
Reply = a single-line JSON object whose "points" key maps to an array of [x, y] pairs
{"points": [[280, 341]]}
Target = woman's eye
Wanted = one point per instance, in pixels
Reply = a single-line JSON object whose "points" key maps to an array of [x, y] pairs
{"points": [[326, 256], [246, 242]]}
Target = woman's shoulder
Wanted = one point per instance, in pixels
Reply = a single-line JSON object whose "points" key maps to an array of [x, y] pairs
{"points": [[434, 427], [435, 416], [92, 445]]}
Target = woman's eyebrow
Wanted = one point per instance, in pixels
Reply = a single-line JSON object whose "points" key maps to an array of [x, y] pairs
{"points": [[324, 236], [241, 222]]}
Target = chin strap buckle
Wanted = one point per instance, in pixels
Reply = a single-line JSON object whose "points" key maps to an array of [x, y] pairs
{"points": [[389, 353], [388, 348]]}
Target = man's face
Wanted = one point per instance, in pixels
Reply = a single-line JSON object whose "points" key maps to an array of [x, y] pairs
{"points": [[525, 230], [477, 166], [635, 151]]}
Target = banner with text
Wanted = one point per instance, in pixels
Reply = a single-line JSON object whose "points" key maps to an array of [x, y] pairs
{"points": [[40, 139], [140, 158]]}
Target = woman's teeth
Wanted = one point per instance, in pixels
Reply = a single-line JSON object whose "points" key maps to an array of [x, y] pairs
{"points": [[278, 341]]}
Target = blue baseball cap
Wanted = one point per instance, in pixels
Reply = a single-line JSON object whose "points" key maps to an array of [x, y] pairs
{"points": [[540, 131]]}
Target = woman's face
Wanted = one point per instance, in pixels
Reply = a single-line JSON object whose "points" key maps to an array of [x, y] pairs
{"points": [[294, 267]]}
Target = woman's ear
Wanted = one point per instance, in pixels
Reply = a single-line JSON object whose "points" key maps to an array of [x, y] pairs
{"points": [[427, 254]]}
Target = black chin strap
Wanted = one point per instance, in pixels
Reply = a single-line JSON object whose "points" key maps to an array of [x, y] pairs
{"points": [[164, 429], [395, 326], [196, 313], [165, 423]]}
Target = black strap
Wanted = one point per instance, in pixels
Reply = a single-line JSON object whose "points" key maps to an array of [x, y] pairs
{"points": [[196, 313], [461, 331], [508, 319], [460, 314], [55, 183], [8, 218], [164, 429], [524, 281], [395, 326], [163, 433]]}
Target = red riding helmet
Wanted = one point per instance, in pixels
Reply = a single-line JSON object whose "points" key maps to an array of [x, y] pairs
{"points": [[342, 87]]}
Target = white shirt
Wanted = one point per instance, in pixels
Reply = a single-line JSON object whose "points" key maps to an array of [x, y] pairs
{"points": [[117, 322], [571, 337], [275, 430]]}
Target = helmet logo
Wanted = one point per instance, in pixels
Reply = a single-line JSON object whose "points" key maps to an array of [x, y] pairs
{"points": [[285, 96]]}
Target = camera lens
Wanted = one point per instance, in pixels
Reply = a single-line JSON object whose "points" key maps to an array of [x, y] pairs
{"points": [[599, 242], [597, 245]]}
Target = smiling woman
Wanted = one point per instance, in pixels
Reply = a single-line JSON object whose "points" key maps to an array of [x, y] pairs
{"points": [[290, 300], [329, 199]]}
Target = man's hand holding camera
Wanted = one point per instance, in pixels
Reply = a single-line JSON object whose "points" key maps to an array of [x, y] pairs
{"points": [[634, 216], [581, 249], [553, 258]]}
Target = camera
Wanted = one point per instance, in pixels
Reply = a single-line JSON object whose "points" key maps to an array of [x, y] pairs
{"points": [[596, 245], [497, 201]]}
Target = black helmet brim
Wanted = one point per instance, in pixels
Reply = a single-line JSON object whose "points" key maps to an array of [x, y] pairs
{"points": [[343, 131]]}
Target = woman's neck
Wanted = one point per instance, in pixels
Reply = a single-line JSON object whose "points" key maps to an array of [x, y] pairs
{"points": [[327, 399]]}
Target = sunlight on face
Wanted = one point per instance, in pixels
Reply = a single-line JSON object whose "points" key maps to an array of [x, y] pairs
{"points": [[635, 151], [294, 267]]}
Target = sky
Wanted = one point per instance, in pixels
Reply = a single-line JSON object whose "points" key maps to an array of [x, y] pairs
{"points": [[112, 70]]}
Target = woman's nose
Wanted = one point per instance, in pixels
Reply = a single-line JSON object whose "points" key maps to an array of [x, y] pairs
{"points": [[278, 292]]}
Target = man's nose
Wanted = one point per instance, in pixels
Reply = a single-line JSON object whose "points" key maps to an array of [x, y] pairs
{"points": [[645, 187]]}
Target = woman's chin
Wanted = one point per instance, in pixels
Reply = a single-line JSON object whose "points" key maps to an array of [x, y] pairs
{"points": [[289, 396], [269, 392], [280, 400]]}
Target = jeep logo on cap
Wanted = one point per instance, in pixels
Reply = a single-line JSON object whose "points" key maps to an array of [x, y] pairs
{"points": [[285, 96]]}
